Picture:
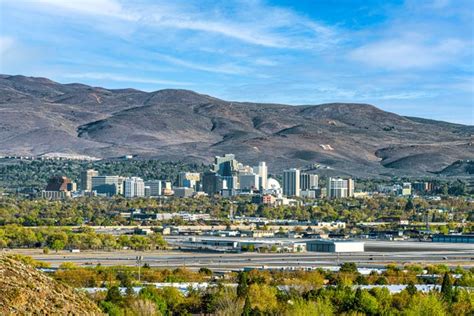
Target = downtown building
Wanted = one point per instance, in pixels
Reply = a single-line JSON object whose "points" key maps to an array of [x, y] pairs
{"points": [[291, 182], [308, 181], [188, 179], [262, 171], [133, 187], [58, 188], [340, 188], [86, 179], [153, 188], [107, 185]]}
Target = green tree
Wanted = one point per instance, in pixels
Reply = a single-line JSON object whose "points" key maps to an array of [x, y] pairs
{"points": [[366, 303], [243, 285], [247, 311], [319, 307], [425, 305], [58, 245], [349, 267], [447, 288], [113, 295], [411, 288]]}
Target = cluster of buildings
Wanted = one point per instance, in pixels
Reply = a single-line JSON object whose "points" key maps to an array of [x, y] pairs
{"points": [[229, 177], [271, 245], [408, 188], [226, 177], [131, 187]]}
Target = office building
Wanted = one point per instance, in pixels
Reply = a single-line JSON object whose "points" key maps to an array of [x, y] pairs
{"points": [[308, 181], [229, 182], [211, 183], [155, 187], [58, 187], [183, 192], [59, 183], [262, 171], [86, 179], [225, 166], [350, 187], [291, 182], [308, 194], [133, 187], [249, 181], [188, 179], [107, 185], [340, 188], [423, 187]]}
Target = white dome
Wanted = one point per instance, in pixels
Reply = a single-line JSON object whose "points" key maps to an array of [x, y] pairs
{"points": [[272, 184]]}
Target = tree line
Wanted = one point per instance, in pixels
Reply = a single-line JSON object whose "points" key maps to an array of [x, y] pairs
{"points": [[55, 238]]}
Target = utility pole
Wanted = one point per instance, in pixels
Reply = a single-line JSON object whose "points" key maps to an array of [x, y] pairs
{"points": [[139, 260]]}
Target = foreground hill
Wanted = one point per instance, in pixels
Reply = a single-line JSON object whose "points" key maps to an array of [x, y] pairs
{"points": [[39, 116], [26, 291]]}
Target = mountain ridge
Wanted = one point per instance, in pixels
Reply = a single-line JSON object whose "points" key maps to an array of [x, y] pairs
{"points": [[40, 116]]}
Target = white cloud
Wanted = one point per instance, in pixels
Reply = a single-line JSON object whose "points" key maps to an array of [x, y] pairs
{"points": [[121, 78], [408, 52], [227, 68], [6, 44], [251, 22], [110, 8]]}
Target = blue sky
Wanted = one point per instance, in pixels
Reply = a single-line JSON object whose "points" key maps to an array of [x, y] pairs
{"points": [[410, 57]]}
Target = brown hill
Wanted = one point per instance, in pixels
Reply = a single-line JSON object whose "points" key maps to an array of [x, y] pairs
{"points": [[39, 116], [26, 291]]}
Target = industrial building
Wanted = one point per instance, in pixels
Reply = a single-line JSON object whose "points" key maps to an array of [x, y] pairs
{"points": [[464, 238], [241, 244], [324, 245]]}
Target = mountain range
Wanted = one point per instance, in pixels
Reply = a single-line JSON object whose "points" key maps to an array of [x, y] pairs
{"points": [[40, 116]]}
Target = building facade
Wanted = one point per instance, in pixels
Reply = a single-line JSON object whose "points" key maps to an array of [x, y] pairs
{"points": [[308, 181], [107, 185], [291, 182], [340, 188], [134, 187], [262, 171], [155, 187], [86, 179]]}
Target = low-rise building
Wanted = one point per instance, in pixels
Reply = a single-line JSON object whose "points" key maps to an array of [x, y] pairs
{"points": [[324, 245]]}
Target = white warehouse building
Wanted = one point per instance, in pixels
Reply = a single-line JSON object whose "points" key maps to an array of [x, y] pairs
{"points": [[321, 245]]}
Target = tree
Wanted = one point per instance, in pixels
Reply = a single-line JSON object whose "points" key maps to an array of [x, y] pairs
{"points": [[366, 303], [247, 307], [349, 267], [425, 305], [243, 286], [447, 288], [319, 307], [263, 297], [114, 295], [411, 288], [58, 245]]}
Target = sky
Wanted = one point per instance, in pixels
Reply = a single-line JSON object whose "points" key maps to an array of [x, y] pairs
{"points": [[411, 57]]}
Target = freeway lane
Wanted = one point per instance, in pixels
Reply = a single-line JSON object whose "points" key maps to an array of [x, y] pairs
{"points": [[230, 261]]}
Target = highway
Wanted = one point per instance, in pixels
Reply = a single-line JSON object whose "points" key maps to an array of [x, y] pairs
{"points": [[393, 252]]}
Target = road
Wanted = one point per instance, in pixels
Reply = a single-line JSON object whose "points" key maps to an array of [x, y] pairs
{"points": [[393, 252]]}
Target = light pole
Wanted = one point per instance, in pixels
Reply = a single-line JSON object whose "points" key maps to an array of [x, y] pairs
{"points": [[139, 260]]}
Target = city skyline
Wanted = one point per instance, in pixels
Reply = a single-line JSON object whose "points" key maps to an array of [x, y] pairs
{"points": [[411, 58]]}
